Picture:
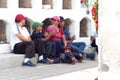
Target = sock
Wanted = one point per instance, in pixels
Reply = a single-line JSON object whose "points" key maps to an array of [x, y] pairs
{"points": [[41, 57], [26, 60]]}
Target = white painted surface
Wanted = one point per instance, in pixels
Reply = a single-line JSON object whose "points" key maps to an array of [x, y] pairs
{"points": [[109, 35], [4, 48], [36, 13]]}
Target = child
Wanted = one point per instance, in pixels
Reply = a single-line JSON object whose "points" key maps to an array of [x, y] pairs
{"points": [[69, 55], [50, 47]]}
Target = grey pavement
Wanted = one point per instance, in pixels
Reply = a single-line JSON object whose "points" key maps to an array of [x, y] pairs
{"points": [[43, 71]]}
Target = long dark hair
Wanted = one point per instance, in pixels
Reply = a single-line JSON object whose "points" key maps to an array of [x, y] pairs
{"points": [[47, 22]]}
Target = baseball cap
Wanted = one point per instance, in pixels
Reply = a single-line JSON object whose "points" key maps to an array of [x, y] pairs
{"points": [[20, 17], [61, 18], [56, 18], [37, 24]]}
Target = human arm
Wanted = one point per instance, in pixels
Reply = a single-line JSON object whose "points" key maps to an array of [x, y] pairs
{"points": [[47, 36], [71, 39], [64, 40], [21, 37]]}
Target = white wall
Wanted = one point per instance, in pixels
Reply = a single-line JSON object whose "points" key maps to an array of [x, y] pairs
{"points": [[109, 35], [36, 13]]}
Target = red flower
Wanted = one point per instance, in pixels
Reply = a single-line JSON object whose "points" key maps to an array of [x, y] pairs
{"points": [[96, 21], [81, 1], [93, 10]]}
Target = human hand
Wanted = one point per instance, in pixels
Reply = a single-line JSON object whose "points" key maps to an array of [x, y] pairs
{"points": [[52, 33], [73, 37], [45, 34]]}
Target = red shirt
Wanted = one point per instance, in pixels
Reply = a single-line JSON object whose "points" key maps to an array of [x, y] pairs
{"points": [[58, 32]]}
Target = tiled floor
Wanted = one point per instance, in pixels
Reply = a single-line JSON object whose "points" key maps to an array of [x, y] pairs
{"points": [[43, 71]]}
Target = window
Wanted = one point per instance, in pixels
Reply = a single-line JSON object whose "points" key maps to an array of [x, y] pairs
{"points": [[25, 4], [3, 3], [67, 4], [2, 32], [47, 4]]}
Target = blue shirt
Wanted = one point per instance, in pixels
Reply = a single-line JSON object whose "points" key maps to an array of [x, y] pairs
{"points": [[36, 35], [66, 33]]}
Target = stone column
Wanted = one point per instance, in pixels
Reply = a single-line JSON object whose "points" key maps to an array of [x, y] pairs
{"points": [[57, 4], [76, 4], [37, 4], [109, 36], [10, 4]]}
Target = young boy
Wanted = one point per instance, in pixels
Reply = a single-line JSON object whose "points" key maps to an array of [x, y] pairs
{"points": [[50, 47]]}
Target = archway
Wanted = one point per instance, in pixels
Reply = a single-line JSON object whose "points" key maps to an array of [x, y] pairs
{"points": [[85, 27], [2, 32]]}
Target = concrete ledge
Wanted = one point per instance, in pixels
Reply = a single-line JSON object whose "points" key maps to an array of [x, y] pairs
{"points": [[4, 48], [10, 60]]}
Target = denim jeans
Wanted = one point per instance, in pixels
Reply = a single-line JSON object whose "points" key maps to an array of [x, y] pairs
{"points": [[50, 48], [78, 47], [59, 47]]}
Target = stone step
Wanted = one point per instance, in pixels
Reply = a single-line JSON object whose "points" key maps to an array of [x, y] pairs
{"points": [[10, 60], [4, 48]]}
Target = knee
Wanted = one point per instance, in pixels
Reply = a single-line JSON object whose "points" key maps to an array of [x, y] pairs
{"points": [[83, 43]]}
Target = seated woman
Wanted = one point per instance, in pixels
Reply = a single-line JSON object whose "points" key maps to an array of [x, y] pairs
{"points": [[58, 36], [78, 47]]}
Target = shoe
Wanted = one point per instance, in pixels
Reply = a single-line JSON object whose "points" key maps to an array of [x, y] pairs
{"points": [[57, 60], [92, 56], [74, 61], [81, 60], [29, 63], [45, 61]]}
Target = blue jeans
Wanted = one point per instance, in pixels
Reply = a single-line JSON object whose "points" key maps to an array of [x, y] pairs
{"points": [[59, 47], [50, 48], [78, 47]]}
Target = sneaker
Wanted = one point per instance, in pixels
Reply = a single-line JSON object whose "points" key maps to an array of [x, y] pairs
{"points": [[45, 61], [29, 63]]}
